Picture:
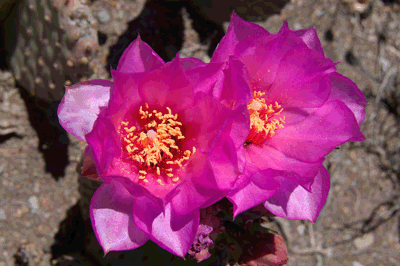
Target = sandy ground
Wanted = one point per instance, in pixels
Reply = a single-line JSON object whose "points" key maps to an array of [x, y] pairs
{"points": [[40, 220]]}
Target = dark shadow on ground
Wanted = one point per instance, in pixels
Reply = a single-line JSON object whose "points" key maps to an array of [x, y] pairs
{"points": [[160, 23], [53, 139], [8, 136], [208, 16]]}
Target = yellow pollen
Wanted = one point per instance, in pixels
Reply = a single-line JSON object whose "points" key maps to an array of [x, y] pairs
{"points": [[263, 125], [155, 145]]}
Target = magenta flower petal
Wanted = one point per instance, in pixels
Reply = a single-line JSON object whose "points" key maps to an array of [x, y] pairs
{"points": [[191, 196], [102, 137], [166, 85], [125, 89], [317, 135], [302, 82], [294, 202], [266, 157], [112, 221], [190, 62], [203, 77], [177, 242], [227, 155], [81, 105], [309, 37], [262, 56], [146, 208], [295, 76], [88, 166], [139, 57], [238, 30], [204, 129], [250, 195], [345, 90], [232, 88]]}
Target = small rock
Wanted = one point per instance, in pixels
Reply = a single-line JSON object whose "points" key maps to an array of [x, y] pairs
{"points": [[356, 263], [103, 16], [385, 64], [301, 229], [364, 241], [320, 13], [33, 203], [2, 215], [36, 187], [297, 26]]}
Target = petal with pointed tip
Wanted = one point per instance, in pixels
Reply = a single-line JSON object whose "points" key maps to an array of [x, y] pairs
{"points": [[309, 37], [238, 30], [139, 57]]}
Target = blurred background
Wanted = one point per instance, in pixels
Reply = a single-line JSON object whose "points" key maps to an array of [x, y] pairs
{"points": [[47, 44]]}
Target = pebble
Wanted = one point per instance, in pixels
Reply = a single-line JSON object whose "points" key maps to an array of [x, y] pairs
{"points": [[297, 26], [301, 229], [2, 215], [103, 16], [356, 263], [320, 12], [385, 64], [364, 241], [33, 203], [36, 187]]}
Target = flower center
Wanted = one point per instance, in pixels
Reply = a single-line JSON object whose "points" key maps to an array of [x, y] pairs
{"points": [[262, 122], [156, 147]]}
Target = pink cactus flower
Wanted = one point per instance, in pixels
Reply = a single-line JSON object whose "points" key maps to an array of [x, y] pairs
{"points": [[162, 146], [300, 111]]}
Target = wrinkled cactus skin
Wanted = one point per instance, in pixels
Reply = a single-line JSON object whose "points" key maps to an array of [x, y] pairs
{"points": [[55, 41]]}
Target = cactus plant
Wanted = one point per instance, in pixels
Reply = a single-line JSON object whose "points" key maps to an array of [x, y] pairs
{"points": [[55, 42]]}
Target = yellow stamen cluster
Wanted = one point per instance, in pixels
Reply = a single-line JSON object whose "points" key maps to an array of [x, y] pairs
{"points": [[156, 146], [262, 126]]}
